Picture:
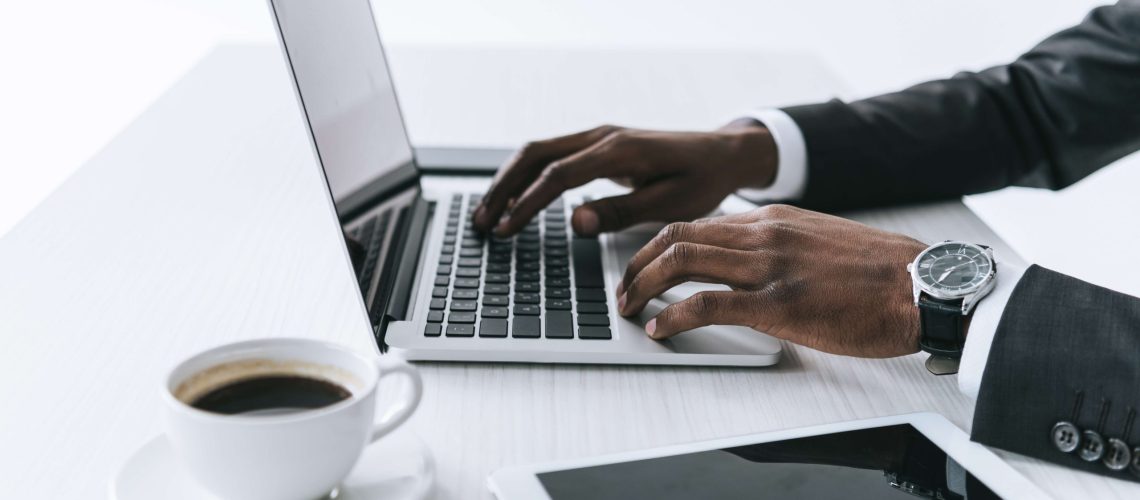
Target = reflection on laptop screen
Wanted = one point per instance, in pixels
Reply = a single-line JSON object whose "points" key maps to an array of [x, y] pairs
{"points": [[347, 95]]}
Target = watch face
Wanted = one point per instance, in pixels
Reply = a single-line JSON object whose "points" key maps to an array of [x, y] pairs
{"points": [[952, 269]]}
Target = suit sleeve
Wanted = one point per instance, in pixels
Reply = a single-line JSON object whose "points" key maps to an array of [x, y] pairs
{"points": [[1066, 108], [1064, 351]]}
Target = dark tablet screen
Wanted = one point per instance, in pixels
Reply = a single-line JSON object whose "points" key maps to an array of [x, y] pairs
{"points": [[878, 463]]}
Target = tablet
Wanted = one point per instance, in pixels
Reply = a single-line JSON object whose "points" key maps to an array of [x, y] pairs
{"points": [[919, 455]]}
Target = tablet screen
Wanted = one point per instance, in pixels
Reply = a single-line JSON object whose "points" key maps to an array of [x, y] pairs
{"points": [[877, 463]]}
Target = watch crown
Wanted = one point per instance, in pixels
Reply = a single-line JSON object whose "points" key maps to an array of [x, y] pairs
{"points": [[910, 267]]}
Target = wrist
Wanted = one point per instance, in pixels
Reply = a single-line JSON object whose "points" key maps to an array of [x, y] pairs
{"points": [[752, 151]]}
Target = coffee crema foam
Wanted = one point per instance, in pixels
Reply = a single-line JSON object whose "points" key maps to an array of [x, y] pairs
{"points": [[215, 377]]}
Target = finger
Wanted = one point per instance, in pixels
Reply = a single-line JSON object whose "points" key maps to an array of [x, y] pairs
{"points": [[733, 236], [703, 309], [525, 165], [601, 159], [684, 262], [651, 202]]}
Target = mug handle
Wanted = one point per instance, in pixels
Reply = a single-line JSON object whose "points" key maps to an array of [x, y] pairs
{"points": [[399, 414]]}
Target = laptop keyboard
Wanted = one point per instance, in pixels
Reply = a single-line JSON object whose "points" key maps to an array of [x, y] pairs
{"points": [[542, 283]]}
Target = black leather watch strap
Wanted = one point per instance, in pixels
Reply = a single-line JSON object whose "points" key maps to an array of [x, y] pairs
{"points": [[942, 325]]}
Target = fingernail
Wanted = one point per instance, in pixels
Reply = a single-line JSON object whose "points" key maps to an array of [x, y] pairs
{"points": [[621, 288], [587, 221], [621, 302], [651, 327], [501, 229]]}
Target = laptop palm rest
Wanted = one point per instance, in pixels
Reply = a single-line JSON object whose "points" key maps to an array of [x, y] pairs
{"points": [[713, 339]]}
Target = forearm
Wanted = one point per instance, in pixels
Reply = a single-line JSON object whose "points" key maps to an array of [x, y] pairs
{"points": [[1053, 116]]}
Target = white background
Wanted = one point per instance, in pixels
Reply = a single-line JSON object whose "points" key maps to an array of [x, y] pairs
{"points": [[74, 73]]}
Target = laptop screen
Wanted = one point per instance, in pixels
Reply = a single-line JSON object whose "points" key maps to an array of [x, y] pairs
{"points": [[347, 96]]}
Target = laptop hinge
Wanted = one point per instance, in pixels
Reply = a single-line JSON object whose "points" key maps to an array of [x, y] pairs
{"points": [[409, 246]]}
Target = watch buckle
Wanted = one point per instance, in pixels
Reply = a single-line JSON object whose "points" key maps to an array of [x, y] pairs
{"points": [[942, 365]]}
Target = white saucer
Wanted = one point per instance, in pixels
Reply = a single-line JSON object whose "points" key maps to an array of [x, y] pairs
{"points": [[398, 466]]}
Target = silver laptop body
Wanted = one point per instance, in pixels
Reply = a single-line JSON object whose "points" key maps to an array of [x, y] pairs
{"points": [[433, 289]]}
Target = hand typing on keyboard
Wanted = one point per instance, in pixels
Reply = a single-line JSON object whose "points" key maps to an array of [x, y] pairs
{"points": [[674, 175], [814, 279]]}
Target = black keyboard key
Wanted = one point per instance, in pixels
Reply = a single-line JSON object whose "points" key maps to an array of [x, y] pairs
{"points": [[438, 304], [593, 320], [593, 308], [449, 240], [588, 263], [466, 294], [558, 293], [591, 295], [464, 305], [498, 278], [526, 298], [499, 257], [435, 316], [469, 262], [466, 283], [471, 243], [447, 249], [557, 282], [493, 328], [594, 333], [495, 300], [554, 243], [433, 329], [557, 272], [443, 270], [555, 252], [526, 310], [558, 262], [528, 256], [461, 317], [497, 289], [531, 247], [446, 259], [557, 305], [471, 252], [559, 325], [494, 312], [442, 281], [526, 327], [460, 330], [468, 272], [528, 238], [439, 292], [527, 266], [526, 287], [527, 277], [498, 267]]}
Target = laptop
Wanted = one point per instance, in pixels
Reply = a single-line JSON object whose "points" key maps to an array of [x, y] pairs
{"points": [[434, 288]]}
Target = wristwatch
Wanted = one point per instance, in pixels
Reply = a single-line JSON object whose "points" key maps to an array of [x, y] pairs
{"points": [[949, 279]]}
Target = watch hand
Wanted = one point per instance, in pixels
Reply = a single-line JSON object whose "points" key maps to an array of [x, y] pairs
{"points": [[948, 271]]}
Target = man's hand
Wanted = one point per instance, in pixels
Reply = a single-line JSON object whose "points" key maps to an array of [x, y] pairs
{"points": [[674, 175], [821, 281]]}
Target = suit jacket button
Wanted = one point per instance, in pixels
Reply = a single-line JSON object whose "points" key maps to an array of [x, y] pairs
{"points": [[1092, 446], [1117, 456], [1134, 467], [1066, 436]]}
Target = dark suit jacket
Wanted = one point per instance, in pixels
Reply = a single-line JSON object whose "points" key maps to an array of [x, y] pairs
{"points": [[1066, 108]]}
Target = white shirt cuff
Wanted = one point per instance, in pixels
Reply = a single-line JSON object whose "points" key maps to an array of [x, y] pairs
{"points": [[983, 326], [791, 151]]}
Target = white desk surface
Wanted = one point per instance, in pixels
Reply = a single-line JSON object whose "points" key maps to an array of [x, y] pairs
{"points": [[204, 223]]}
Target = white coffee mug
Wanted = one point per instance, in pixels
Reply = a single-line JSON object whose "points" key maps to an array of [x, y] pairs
{"points": [[299, 455]]}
